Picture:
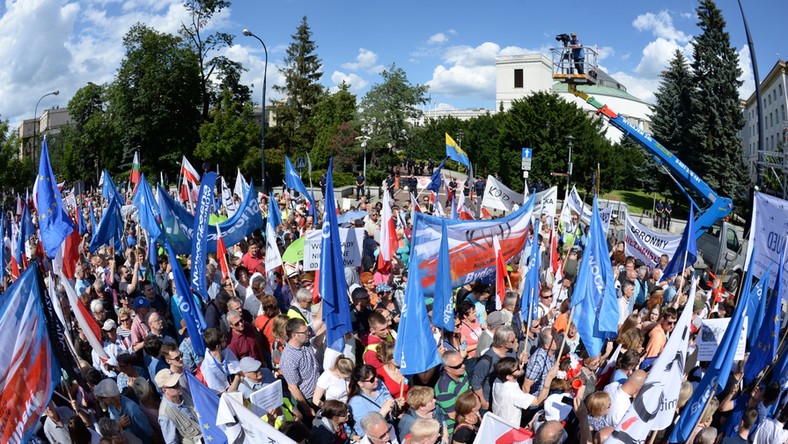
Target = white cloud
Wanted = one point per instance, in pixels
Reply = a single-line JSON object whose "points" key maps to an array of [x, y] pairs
{"points": [[656, 57], [661, 25], [745, 64], [357, 84], [640, 87], [438, 39], [365, 60]]}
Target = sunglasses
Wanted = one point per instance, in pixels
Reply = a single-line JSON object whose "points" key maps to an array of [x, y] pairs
{"points": [[457, 367], [372, 379]]}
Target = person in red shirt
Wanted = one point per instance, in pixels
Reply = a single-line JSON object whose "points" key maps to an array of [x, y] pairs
{"points": [[253, 259], [378, 334], [243, 339]]}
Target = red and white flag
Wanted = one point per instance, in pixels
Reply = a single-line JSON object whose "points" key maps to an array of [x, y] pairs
{"points": [[85, 320], [135, 170], [485, 214], [495, 430], [500, 274], [189, 172], [388, 237], [221, 253]]}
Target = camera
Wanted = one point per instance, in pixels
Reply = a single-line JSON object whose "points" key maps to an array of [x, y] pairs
{"points": [[563, 38]]}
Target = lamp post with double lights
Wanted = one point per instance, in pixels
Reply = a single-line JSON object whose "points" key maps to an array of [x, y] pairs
{"points": [[35, 125], [249, 33]]}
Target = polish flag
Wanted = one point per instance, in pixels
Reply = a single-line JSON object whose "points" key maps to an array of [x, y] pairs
{"points": [[462, 210], [496, 430], [189, 172], [388, 237], [85, 320], [485, 214], [500, 274], [221, 253]]}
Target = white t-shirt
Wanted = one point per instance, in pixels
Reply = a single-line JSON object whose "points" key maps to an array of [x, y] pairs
{"points": [[336, 388], [509, 399], [618, 407]]}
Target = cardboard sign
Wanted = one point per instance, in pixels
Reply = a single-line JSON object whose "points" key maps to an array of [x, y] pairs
{"points": [[710, 336], [352, 243]]}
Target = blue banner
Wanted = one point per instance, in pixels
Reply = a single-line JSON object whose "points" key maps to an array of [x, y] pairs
{"points": [[199, 248], [443, 300], [530, 299], [190, 309], [333, 288], [110, 229], [293, 182], [81, 226], [178, 223], [108, 188], [93, 223]]}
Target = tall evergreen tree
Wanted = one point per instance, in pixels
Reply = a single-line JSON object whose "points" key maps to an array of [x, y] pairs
{"points": [[302, 91], [716, 114], [334, 118], [671, 121]]}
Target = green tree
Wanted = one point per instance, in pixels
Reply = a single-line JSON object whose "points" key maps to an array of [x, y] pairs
{"points": [[301, 90], [229, 134], [156, 99], [387, 110], [226, 70], [716, 114], [542, 121], [332, 113], [90, 141], [17, 174]]}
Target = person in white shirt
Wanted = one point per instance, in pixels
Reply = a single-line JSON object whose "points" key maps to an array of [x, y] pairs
{"points": [[220, 368], [771, 430], [622, 397], [507, 397]]}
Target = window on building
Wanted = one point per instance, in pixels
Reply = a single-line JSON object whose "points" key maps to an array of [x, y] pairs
{"points": [[780, 88], [518, 78]]}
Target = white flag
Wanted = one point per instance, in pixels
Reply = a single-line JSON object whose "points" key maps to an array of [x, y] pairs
{"points": [[272, 257], [241, 425], [227, 199], [655, 405], [240, 185], [499, 196]]}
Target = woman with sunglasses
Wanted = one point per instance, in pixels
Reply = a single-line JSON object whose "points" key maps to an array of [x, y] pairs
{"points": [[368, 394]]}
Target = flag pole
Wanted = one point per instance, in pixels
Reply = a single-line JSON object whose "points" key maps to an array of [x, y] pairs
{"points": [[563, 343]]}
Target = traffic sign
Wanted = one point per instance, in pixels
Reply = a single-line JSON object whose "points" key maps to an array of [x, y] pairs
{"points": [[300, 163], [527, 155]]}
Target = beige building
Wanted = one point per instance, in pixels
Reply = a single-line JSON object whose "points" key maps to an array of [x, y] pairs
{"points": [[32, 131]]}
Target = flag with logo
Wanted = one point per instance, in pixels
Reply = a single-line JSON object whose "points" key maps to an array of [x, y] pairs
{"points": [[200, 239], [273, 212], [686, 253], [443, 301], [187, 303], [148, 210], [206, 403], [29, 370], [108, 188], [415, 350], [594, 299], [333, 288], [293, 182], [53, 221], [454, 152], [766, 343], [241, 425], [655, 405]]}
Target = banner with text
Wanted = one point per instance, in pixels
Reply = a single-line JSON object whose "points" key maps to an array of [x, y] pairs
{"points": [[769, 228], [648, 245], [352, 242], [470, 244], [546, 202], [498, 196]]}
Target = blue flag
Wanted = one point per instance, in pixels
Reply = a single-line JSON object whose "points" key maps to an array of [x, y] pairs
{"points": [[81, 225], [200, 238], [454, 152], [530, 299], [687, 247], [716, 375], [443, 301], [333, 288], [110, 229], [27, 229], [273, 212], [766, 343], [436, 179], [293, 181], [93, 223], [752, 308], [53, 221], [756, 309], [108, 188], [594, 300], [148, 209], [207, 405], [187, 303], [2, 244], [415, 350]]}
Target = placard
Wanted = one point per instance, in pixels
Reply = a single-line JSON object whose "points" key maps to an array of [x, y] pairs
{"points": [[711, 334], [352, 242], [267, 398]]}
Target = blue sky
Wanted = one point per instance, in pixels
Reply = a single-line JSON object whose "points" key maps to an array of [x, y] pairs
{"points": [[450, 46]]}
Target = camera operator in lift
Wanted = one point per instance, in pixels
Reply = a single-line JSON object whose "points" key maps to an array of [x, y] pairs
{"points": [[564, 63], [578, 53]]}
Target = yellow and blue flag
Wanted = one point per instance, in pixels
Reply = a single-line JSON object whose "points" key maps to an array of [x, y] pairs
{"points": [[454, 152]]}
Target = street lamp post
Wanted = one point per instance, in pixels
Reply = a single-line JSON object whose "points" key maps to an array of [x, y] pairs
{"points": [[35, 124], [569, 163], [364, 140], [249, 33]]}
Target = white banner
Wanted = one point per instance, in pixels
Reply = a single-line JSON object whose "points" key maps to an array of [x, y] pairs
{"points": [[499, 196], [710, 335], [769, 228], [574, 204], [546, 202], [241, 425], [352, 242], [470, 244], [655, 405], [648, 245]]}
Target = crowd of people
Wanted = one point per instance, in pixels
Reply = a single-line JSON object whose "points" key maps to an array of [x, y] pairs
{"points": [[266, 327]]}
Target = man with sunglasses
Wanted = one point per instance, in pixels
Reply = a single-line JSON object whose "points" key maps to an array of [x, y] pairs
{"points": [[451, 384], [657, 338], [177, 417], [299, 365]]}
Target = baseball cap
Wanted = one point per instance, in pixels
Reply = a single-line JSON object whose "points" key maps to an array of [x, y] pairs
{"points": [[107, 388], [140, 302], [250, 365], [496, 319], [167, 378], [109, 325]]}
